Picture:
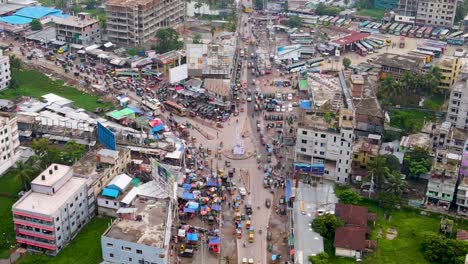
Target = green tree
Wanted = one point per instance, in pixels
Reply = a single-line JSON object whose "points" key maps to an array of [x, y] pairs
{"points": [[395, 184], [392, 163], [346, 62], [24, 173], [377, 167], [72, 152], [326, 225], [196, 39], [348, 196], [294, 22], [13, 83], [198, 5], [47, 154], [168, 39], [321, 258], [227, 259], [15, 62], [388, 201], [90, 4], [60, 4], [36, 24], [439, 249], [258, 4], [416, 162], [323, 9]]}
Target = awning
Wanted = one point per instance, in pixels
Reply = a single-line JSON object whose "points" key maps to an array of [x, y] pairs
{"points": [[193, 205], [113, 193], [214, 241], [126, 210], [287, 190], [192, 236], [305, 104], [108, 44], [189, 210], [212, 183], [216, 207], [188, 196], [187, 186]]}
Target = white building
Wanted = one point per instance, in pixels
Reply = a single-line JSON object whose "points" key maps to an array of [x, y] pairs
{"points": [[9, 141], [53, 212], [5, 74], [328, 142], [457, 112], [81, 29]]}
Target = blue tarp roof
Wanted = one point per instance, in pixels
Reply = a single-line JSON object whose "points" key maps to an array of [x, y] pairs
{"points": [[193, 205], [192, 236], [189, 210], [212, 183], [214, 240], [37, 12], [156, 129], [287, 190], [305, 104], [136, 110], [15, 20], [110, 192], [188, 196], [187, 186], [216, 207]]}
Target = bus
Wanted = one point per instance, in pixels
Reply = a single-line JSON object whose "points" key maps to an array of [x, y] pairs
{"points": [[377, 45], [435, 33], [443, 34], [322, 19], [392, 28], [340, 22], [412, 32], [420, 32], [455, 34], [405, 30], [327, 21], [152, 104], [370, 25], [380, 42], [435, 43], [369, 30], [429, 55], [428, 31], [295, 67], [459, 41], [175, 108], [364, 24], [333, 21], [437, 51], [360, 49], [366, 45], [384, 28], [313, 62], [398, 29], [377, 26]]}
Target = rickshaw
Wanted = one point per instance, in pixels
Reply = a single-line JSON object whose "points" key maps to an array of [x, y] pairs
{"points": [[267, 203], [251, 237], [233, 190], [221, 173], [247, 224], [238, 216], [238, 233]]}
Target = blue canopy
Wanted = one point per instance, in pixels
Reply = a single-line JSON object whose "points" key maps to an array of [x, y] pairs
{"points": [[212, 183], [216, 207], [113, 193], [273, 257], [189, 210], [215, 240], [137, 111], [305, 104], [156, 129], [192, 236], [187, 186], [188, 196], [193, 205]]}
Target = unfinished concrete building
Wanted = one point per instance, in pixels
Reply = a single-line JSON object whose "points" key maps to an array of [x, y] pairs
{"points": [[133, 23]]}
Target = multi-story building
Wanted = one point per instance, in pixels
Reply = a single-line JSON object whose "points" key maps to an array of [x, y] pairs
{"points": [[322, 139], [81, 29], [436, 12], [5, 74], [52, 212], [364, 150], [442, 181], [450, 68], [135, 22], [396, 65], [462, 190], [457, 112], [406, 11], [9, 141], [141, 234]]}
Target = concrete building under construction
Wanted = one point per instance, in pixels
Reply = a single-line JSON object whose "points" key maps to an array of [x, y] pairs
{"points": [[133, 23]]}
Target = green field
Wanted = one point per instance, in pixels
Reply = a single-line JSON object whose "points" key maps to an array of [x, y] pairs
{"points": [[410, 121], [9, 188], [35, 84], [374, 13], [84, 249]]}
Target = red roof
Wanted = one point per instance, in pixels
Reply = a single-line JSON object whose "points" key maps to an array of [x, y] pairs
{"points": [[350, 237], [462, 234], [352, 214], [351, 38]]}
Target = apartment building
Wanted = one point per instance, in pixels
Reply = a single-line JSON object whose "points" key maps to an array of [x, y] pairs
{"points": [[52, 212], [81, 29], [462, 190], [396, 65], [324, 140], [465, 24], [457, 112], [9, 141], [141, 234], [450, 68], [439, 13], [135, 22], [5, 74]]}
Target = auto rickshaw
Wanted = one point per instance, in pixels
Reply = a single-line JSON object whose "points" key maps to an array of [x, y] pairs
{"points": [[247, 224], [238, 216], [267, 203], [238, 233], [220, 172], [251, 237]]}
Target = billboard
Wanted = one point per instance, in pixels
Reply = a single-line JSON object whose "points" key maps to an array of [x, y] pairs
{"points": [[106, 137], [178, 73]]}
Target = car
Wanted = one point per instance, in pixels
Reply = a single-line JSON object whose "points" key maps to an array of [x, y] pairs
{"points": [[290, 97], [283, 108], [278, 108], [279, 96], [242, 191], [249, 99], [290, 108], [267, 202], [248, 209], [295, 104]]}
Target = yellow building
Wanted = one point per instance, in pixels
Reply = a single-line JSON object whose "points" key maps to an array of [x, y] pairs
{"points": [[450, 69], [363, 152]]}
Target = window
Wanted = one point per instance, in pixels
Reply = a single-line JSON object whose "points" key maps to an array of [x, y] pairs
{"points": [[59, 237], [304, 132], [128, 249], [71, 205], [304, 141], [129, 259], [56, 219], [115, 203], [111, 255], [58, 228], [322, 153], [76, 198], [139, 251], [107, 202], [323, 136], [303, 149]]}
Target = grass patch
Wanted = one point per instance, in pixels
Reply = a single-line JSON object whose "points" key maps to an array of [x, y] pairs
{"points": [[84, 249], [133, 52], [6, 226], [410, 121], [372, 12], [434, 102], [35, 84], [9, 184]]}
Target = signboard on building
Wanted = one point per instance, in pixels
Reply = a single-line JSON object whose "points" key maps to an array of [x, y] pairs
{"points": [[178, 73], [166, 176], [106, 137]]}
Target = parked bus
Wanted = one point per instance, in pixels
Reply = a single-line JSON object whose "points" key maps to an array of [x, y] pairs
{"points": [[459, 41], [327, 21], [361, 50], [398, 29], [435, 43], [455, 34], [429, 55], [313, 62], [295, 67], [369, 30], [405, 30], [437, 51], [380, 42], [333, 21], [366, 45], [322, 19], [340, 22], [364, 24], [392, 28], [384, 28], [175, 108], [428, 31], [370, 25], [375, 43], [412, 32], [435, 33], [377, 26], [443, 34], [420, 32]]}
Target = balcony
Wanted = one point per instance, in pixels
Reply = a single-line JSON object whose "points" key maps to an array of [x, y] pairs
{"points": [[36, 243], [33, 224], [30, 233]]}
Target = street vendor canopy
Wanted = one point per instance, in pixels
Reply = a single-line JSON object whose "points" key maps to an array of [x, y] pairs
{"points": [[192, 236], [193, 205], [214, 241], [212, 183], [216, 207], [188, 196]]}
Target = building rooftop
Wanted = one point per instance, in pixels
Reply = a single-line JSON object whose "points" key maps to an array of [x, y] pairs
{"points": [[81, 20], [48, 204], [52, 175], [460, 86], [415, 140], [446, 62], [130, 3], [221, 87], [350, 237], [405, 62], [352, 214], [363, 146], [146, 224]]}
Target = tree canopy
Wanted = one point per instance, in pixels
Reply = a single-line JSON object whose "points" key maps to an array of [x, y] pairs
{"points": [[346, 62], [321, 258], [196, 39], [416, 162], [326, 225], [323, 9], [439, 249], [168, 39], [294, 22], [36, 24], [347, 196]]}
